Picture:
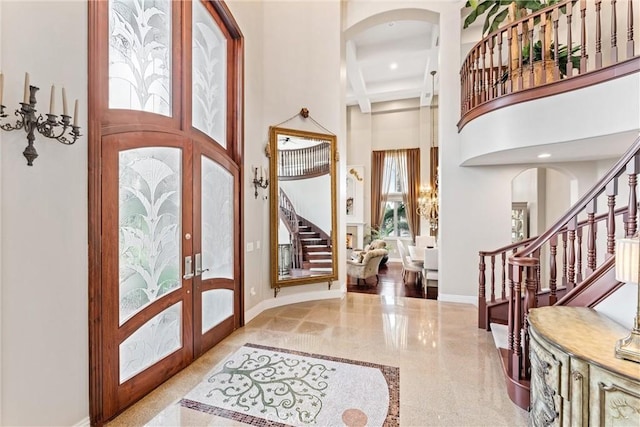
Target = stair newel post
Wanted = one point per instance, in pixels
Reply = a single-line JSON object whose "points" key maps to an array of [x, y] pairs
{"points": [[512, 301], [591, 237], [611, 191], [482, 298], [530, 301], [553, 249], [632, 170], [571, 227], [516, 321]]}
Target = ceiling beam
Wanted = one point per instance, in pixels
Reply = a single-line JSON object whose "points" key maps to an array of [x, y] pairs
{"points": [[354, 73]]}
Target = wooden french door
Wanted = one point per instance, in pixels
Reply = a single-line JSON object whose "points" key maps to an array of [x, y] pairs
{"points": [[169, 249], [165, 191]]}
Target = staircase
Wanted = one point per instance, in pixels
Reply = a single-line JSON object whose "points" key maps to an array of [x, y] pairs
{"points": [[317, 253], [569, 264]]}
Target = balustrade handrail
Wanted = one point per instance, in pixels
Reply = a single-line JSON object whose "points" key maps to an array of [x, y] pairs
{"points": [[615, 171], [528, 240], [304, 162], [493, 70]]}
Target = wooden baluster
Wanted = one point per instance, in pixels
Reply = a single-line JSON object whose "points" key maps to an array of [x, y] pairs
{"points": [[583, 36], [493, 278], [571, 226], [491, 81], [553, 272], [469, 82], [511, 309], [591, 237], [503, 294], [483, 76], [531, 301], [556, 59], [614, 33], [543, 42], [520, 65], [564, 258], [611, 191], [531, 65], [579, 256], [499, 83], [509, 83], [463, 91], [517, 324], [598, 35], [632, 170], [630, 45], [569, 41], [473, 79], [482, 298]]}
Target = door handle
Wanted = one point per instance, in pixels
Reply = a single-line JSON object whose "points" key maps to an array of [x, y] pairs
{"points": [[188, 268], [199, 269]]}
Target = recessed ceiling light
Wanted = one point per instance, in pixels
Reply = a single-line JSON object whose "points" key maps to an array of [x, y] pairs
{"points": [[393, 65], [544, 155]]}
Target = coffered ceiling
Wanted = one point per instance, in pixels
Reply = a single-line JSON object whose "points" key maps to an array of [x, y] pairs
{"points": [[392, 61]]}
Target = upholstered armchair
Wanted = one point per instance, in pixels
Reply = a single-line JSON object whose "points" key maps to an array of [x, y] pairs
{"points": [[367, 266]]}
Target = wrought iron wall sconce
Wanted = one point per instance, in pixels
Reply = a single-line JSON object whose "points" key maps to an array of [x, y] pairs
{"points": [[30, 121], [262, 182]]}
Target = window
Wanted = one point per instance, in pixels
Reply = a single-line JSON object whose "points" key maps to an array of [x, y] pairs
{"points": [[394, 221]]}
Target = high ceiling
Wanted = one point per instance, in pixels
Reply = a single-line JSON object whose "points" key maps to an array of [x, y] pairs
{"points": [[392, 61]]}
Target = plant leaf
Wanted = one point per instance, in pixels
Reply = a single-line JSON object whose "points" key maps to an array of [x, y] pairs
{"points": [[491, 12], [472, 3], [498, 20]]}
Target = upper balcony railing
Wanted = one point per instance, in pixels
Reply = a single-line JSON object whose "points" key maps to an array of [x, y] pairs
{"points": [[576, 43]]}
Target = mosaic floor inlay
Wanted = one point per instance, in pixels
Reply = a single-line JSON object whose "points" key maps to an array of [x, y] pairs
{"points": [[261, 385]]}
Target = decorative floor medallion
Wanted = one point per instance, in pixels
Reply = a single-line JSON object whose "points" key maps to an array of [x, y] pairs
{"points": [[261, 385]]}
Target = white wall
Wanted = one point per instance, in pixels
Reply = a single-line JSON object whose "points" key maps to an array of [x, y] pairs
{"points": [[310, 203], [249, 16], [302, 65], [44, 223]]}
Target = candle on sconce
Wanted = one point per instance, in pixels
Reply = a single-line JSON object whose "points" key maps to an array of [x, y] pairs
{"points": [[52, 102], [1, 86], [261, 172], [26, 88], [75, 114], [64, 102]]}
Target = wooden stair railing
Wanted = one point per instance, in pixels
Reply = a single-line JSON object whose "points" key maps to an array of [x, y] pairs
{"points": [[523, 268], [496, 74], [556, 284], [289, 216], [304, 162]]}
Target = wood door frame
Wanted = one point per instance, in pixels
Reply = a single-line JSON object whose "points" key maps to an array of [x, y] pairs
{"points": [[101, 124]]}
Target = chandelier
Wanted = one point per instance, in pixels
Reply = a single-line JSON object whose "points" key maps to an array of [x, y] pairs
{"points": [[428, 205]]}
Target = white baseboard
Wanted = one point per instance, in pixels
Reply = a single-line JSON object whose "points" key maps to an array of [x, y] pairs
{"points": [[292, 299], [83, 423], [464, 299]]}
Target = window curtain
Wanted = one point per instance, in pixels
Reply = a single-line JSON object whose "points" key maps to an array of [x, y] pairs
{"points": [[377, 204], [412, 190], [406, 163]]}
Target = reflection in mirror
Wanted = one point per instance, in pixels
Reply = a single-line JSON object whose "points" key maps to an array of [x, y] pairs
{"points": [[303, 215]]}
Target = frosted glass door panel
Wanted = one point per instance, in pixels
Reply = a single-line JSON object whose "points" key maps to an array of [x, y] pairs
{"points": [[140, 55], [209, 78], [156, 339], [217, 221], [217, 305], [150, 226]]}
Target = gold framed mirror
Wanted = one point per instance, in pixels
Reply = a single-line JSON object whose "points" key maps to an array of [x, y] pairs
{"points": [[303, 207]]}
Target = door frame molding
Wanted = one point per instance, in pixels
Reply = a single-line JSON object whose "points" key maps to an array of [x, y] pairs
{"points": [[98, 127]]}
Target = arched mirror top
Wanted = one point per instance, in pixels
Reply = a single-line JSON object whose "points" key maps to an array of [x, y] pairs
{"points": [[303, 207]]}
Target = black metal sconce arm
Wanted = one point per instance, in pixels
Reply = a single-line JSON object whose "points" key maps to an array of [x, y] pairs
{"points": [[259, 182], [50, 127]]}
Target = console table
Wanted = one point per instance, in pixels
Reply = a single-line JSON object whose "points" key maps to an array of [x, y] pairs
{"points": [[575, 378]]}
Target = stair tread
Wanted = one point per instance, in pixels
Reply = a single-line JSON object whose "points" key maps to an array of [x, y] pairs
{"points": [[320, 260]]}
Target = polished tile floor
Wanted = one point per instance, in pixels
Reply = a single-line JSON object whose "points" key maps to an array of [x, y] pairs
{"points": [[450, 374]]}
